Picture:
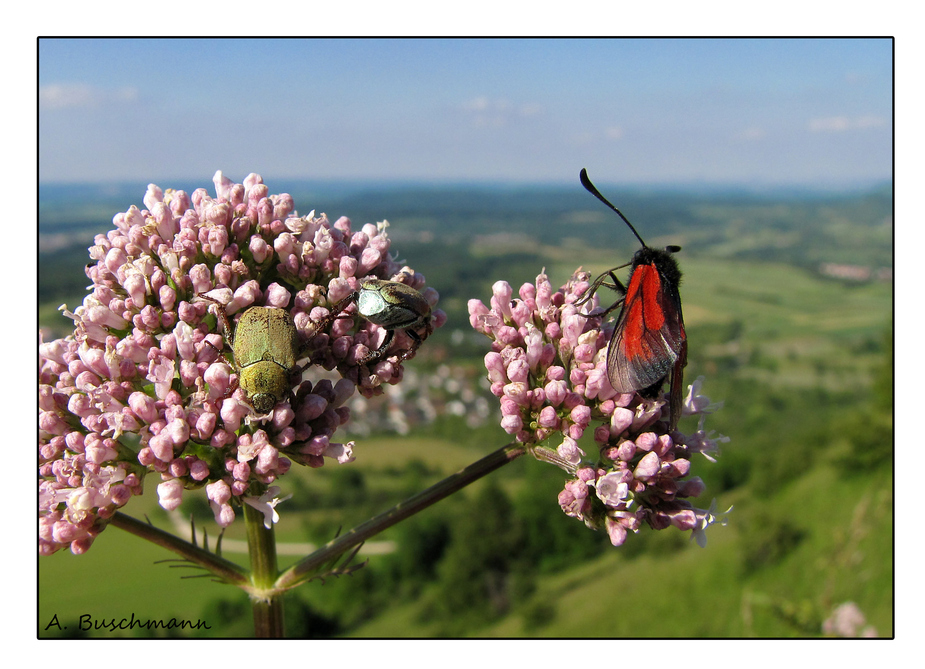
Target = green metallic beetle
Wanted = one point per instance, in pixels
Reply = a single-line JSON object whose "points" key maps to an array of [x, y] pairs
{"points": [[394, 306], [266, 347]]}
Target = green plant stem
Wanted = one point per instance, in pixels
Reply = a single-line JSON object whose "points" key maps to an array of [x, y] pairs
{"points": [[308, 567], [224, 569], [267, 602]]}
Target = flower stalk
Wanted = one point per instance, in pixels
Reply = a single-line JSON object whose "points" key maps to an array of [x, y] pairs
{"points": [[267, 603]]}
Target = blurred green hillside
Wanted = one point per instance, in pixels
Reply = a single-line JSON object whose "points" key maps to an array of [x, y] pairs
{"points": [[788, 306]]}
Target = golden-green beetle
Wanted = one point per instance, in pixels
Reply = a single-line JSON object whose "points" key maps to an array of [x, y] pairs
{"points": [[266, 347]]}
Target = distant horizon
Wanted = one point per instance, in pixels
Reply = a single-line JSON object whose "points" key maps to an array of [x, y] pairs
{"points": [[343, 184]]}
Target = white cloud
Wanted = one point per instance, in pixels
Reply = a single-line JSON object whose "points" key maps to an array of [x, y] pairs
{"points": [[844, 123], [71, 96], [613, 132], [496, 112], [476, 104]]}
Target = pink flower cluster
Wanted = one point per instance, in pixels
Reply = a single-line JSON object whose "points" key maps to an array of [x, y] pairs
{"points": [[847, 620], [548, 368], [140, 386]]}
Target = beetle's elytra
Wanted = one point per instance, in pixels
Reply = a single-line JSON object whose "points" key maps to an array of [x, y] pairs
{"points": [[266, 346], [265, 350]]}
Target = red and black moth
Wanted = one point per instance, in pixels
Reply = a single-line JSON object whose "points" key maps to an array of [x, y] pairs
{"points": [[648, 343]]}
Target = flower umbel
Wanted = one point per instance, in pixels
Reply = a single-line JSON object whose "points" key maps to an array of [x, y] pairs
{"points": [[548, 367], [141, 387]]}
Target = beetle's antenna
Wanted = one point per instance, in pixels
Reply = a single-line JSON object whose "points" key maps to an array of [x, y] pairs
{"points": [[586, 182]]}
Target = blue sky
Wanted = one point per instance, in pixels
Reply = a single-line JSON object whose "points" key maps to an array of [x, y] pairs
{"points": [[755, 112]]}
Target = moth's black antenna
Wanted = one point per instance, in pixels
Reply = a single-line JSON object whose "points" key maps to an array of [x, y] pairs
{"points": [[586, 182]]}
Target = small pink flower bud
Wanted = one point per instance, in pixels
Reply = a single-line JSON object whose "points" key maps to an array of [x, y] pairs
{"points": [[178, 430], [556, 392], [218, 492], [507, 335], [277, 296], [548, 418], [616, 532], [518, 393], [178, 467], [501, 299], [511, 424], [98, 451], [625, 451], [183, 334], [620, 420], [527, 293], [232, 412], [664, 445], [244, 296], [646, 441], [553, 331], [684, 519], [161, 446], [647, 467], [167, 297], [521, 314], [476, 311], [259, 249], [518, 370], [495, 366], [218, 240], [533, 339], [369, 258], [568, 450], [199, 470], [219, 379], [581, 415]]}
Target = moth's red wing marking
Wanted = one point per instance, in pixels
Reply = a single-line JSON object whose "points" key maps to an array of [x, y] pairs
{"points": [[648, 335]]}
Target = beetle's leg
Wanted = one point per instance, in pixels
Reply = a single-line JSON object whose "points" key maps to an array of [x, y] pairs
{"points": [[333, 315], [317, 327], [373, 357], [220, 312], [295, 379], [416, 341], [221, 356], [417, 338], [234, 384], [226, 326]]}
